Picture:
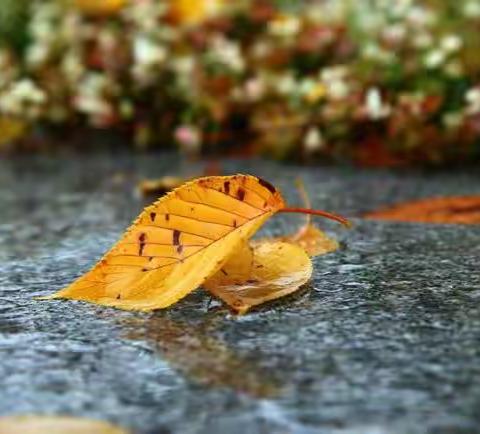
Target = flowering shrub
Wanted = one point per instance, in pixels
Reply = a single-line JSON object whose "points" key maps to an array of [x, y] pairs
{"points": [[376, 82]]}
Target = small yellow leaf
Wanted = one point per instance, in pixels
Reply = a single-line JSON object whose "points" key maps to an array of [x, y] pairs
{"points": [[55, 425], [11, 129], [313, 240], [263, 272], [178, 242]]}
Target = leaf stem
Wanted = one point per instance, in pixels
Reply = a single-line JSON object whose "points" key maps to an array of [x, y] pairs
{"points": [[320, 213]]}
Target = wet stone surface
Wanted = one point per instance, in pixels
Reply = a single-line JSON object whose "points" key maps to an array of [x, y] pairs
{"points": [[386, 339]]}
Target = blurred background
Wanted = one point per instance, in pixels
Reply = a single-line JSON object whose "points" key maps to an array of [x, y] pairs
{"points": [[369, 82]]}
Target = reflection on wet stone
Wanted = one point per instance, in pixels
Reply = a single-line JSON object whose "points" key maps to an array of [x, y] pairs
{"points": [[195, 350]]}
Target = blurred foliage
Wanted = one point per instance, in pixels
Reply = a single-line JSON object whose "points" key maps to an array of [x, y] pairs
{"points": [[13, 23], [371, 81]]}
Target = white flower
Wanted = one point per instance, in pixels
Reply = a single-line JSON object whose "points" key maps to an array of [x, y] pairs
{"points": [[91, 97], [452, 120], [422, 40], [373, 51], [262, 49], [227, 53], [337, 72], [398, 8], [285, 84], [434, 59], [314, 140], [147, 53], [284, 26], [334, 80], [395, 33], [337, 89], [73, 67], [472, 98], [37, 54], [451, 43], [254, 89], [306, 86], [454, 69], [419, 16], [374, 105], [471, 9], [93, 106], [183, 65], [22, 98], [27, 91]]}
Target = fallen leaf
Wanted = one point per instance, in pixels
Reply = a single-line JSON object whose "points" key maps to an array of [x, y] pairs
{"points": [[55, 425], [310, 237], [260, 272], [454, 209], [11, 129], [178, 242], [313, 240]]}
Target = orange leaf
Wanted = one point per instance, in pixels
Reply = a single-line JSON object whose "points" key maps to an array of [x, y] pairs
{"points": [[455, 209]]}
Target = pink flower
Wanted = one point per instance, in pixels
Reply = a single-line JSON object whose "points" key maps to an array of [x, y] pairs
{"points": [[189, 138]]}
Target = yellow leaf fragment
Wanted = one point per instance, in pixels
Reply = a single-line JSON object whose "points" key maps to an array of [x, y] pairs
{"points": [[313, 240], [261, 272], [177, 243], [55, 425]]}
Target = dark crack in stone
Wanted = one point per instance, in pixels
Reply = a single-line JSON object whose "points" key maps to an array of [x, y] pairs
{"points": [[385, 340]]}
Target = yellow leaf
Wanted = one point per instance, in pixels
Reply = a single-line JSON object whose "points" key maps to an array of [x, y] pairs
{"points": [[99, 7], [178, 242], [261, 272], [55, 425], [11, 129], [313, 240]]}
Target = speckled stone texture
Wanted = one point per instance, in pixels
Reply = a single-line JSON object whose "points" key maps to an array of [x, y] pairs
{"points": [[386, 339]]}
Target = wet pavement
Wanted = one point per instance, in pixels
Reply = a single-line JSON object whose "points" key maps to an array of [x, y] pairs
{"points": [[385, 339]]}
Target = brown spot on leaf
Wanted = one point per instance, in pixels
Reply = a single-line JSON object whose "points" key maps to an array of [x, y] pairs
{"points": [[267, 185], [226, 187], [142, 237], [152, 216], [176, 237], [241, 194]]}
